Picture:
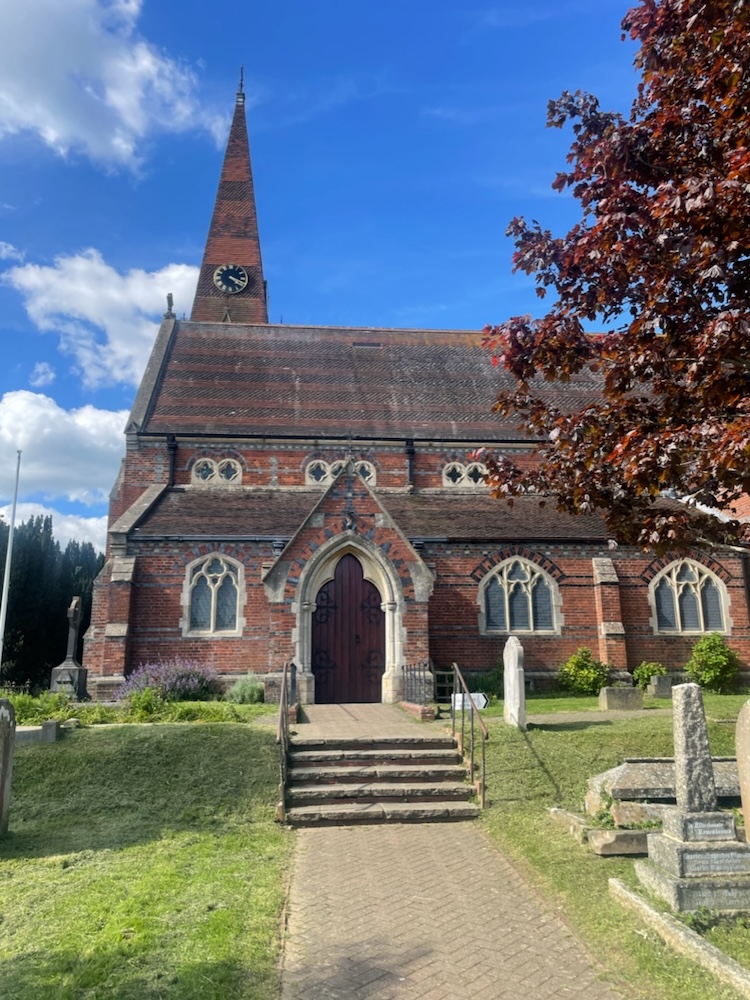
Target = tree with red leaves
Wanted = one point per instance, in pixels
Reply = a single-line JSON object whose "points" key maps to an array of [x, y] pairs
{"points": [[661, 258]]}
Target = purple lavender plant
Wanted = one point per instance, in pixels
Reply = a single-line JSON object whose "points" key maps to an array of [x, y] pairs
{"points": [[174, 680]]}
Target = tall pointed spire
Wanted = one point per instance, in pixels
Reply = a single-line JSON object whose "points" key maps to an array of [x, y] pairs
{"points": [[231, 287]]}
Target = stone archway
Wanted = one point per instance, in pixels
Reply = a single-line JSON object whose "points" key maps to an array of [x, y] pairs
{"points": [[321, 570]]}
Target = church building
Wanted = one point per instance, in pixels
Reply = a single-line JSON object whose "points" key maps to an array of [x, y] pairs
{"points": [[308, 494]]}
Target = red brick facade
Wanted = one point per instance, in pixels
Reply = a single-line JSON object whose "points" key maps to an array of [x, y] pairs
{"points": [[258, 455]]}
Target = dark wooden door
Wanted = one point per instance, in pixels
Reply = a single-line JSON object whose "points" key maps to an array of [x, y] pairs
{"points": [[348, 637]]}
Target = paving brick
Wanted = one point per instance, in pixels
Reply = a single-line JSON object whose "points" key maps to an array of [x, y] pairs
{"points": [[423, 913]]}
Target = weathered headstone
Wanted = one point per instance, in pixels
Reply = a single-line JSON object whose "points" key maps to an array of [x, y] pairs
{"points": [[7, 742], [742, 742], [514, 688], [70, 677], [693, 768], [660, 686], [620, 699], [697, 861]]}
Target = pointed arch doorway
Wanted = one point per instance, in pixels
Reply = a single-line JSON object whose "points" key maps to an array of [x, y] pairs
{"points": [[348, 637]]}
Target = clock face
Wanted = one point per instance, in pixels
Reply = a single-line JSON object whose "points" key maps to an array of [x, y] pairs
{"points": [[230, 278]]}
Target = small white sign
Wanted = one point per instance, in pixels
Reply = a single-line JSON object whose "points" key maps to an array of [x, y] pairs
{"points": [[479, 699]]}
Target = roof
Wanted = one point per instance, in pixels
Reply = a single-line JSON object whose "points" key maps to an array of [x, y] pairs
{"points": [[329, 382], [252, 513]]}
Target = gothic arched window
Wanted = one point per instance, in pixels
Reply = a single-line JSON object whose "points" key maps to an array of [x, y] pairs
{"points": [[687, 597], [213, 589], [519, 597]]}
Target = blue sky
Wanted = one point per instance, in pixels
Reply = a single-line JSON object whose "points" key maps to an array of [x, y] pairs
{"points": [[392, 142]]}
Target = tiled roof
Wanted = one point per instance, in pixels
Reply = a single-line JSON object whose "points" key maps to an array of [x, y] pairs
{"points": [[186, 512], [224, 378]]}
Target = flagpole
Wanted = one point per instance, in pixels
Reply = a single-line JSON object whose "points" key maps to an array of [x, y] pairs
{"points": [[8, 557]]}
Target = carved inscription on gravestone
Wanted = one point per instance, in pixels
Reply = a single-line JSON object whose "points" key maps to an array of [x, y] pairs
{"points": [[7, 738]]}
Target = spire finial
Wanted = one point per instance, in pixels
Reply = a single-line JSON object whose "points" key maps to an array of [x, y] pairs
{"points": [[241, 88]]}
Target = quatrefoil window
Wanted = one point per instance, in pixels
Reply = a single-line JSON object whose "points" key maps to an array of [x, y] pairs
{"points": [[209, 472], [322, 473], [466, 476]]}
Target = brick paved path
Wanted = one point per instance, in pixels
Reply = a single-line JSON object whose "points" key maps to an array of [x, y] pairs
{"points": [[424, 912]]}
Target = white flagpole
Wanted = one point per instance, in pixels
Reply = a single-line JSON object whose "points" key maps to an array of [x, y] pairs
{"points": [[8, 556]]}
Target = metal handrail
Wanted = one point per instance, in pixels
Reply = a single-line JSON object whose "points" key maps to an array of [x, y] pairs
{"points": [[282, 733], [458, 681]]}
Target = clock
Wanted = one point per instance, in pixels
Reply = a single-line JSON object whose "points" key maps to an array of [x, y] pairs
{"points": [[230, 278]]}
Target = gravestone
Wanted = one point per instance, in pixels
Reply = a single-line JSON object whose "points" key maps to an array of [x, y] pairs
{"points": [[70, 677], [7, 742], [742, 742], [514, 688], [697, 861], [622, 699], [660, 686]]}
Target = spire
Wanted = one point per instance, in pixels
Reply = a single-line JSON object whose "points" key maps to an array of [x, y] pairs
{"points": [[231, 282]]}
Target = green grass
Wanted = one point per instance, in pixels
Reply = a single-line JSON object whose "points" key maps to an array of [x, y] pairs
{"points": [[549, 765], [144, 862]]}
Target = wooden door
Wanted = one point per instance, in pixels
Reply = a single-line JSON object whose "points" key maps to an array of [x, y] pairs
{"points": [[348, 637]]}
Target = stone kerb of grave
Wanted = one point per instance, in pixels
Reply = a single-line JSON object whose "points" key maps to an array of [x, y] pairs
{"points": [[7, 743], [514, 688], [742, 742], [697, 861]]}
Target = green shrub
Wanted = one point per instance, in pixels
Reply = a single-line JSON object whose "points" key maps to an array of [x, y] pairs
{"points": [[145, 705], [713, 664], [246, 691], [645, 671], [33, 710], [582, 674]]}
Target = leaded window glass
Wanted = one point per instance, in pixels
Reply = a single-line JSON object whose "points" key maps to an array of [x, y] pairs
{"points": [[687, 598], [214, 594], [518, 598]]}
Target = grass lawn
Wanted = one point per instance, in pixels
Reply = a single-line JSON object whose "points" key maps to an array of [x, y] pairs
{"points": [[549, 765], [144, 862]]}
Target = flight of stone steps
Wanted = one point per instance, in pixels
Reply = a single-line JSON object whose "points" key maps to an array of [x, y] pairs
{"points": [[397, 779]]}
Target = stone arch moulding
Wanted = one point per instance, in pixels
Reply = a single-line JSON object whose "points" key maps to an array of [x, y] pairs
{"points": [[320, 570]]}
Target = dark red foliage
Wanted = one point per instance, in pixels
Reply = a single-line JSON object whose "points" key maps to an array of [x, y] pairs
{"points": [[661, 259]]}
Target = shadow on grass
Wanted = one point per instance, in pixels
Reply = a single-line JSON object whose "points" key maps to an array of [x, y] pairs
{"points": [[119, 975], [569, 727]]}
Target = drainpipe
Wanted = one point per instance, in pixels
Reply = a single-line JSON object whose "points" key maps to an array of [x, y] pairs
{"points": [[409, 449], [172, 448]]}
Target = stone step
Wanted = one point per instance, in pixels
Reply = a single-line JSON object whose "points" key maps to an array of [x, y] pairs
{"points": [[376, 772], [416, 757], [433, 742], [378, 791], [381, 812]]}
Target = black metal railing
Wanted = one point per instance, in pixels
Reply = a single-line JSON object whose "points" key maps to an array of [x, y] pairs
{"points": [[467, 706], [419, 684], [287, 698]]}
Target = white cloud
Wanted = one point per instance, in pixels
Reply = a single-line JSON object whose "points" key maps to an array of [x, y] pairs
{"points": [[9, 252], [43, 374], [65, 527], [77, 73], [105, 320], [65, 453]]}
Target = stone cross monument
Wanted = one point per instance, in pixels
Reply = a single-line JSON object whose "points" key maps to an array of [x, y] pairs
{"points": [[7, 739], [70, 677], [697, 861]]}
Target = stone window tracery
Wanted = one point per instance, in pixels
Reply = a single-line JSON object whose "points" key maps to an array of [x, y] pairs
{"points": [[687, 597], [465, 475], [519, 597], [322, 473], [210, 472], [213, 588]]}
